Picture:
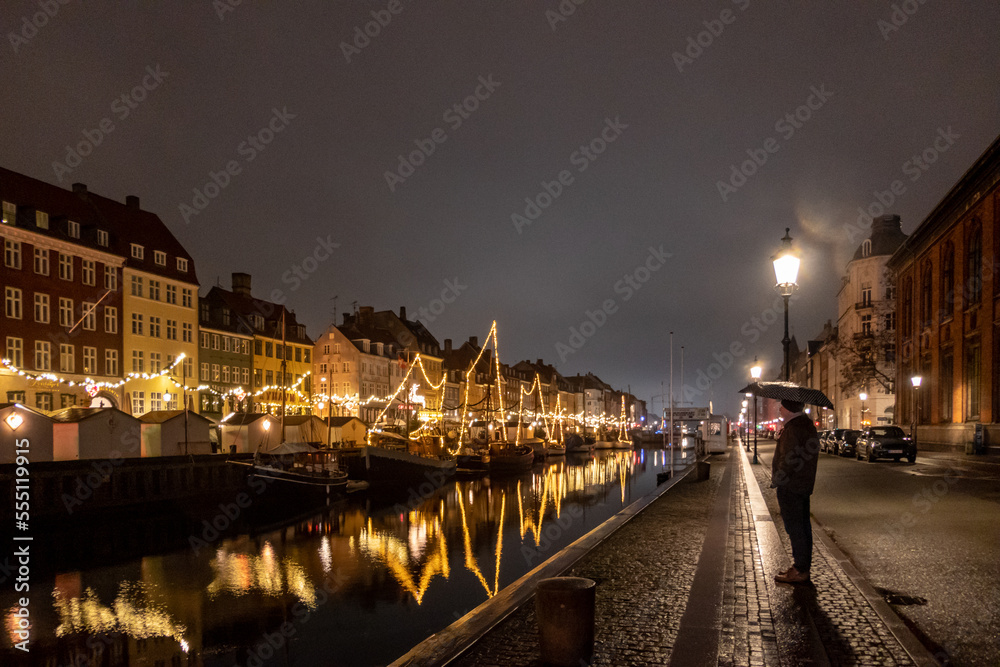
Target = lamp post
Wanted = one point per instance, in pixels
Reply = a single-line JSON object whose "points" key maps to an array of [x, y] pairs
{"points": [[746, 430], [755, 372], [864, 397], [786, 271], [916, 380]]}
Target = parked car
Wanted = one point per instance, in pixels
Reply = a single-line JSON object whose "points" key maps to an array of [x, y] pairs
{"points": [[876, 442], [830, 438], [823, 440], [846, 444]]}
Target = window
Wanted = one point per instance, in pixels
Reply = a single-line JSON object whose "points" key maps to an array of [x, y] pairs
{"points": [[187, 332], [137, 324], [257, 348], [204, 371], [866, 294], [111, 319], [15, 351], [215, 341], [41, 308], [182, 265], [326, 349], [12, 254], [188, 367], [41, 262], [269, 378], [336, 348], [155, 362], [322, 368], [137, 251], [111, 362], [890, 322], [186, 299], [268, 349], [204, 339], [43, 400], [160, 257], [257, 320], [43, 355], [171, 329], [9, 213], [154, 290], [154, 326], [925, 296], [225, 374], [172, 296], [215, 372], [866, 324], [89, 360], [88, 312], [65, 267], [88, 272], [138, 402], [225, 316], [298, 354], [136, 286], [226, 343], [946, 384], [347, 367], [73, 229], [110, 278], [102, 238], [947, 293], [974, 269], [973, 378], [246, 376], [67, 400], [66, 358], [257, 381], [138, 363], [155, 400], [42, 219], [66, 312], [15, 397]]}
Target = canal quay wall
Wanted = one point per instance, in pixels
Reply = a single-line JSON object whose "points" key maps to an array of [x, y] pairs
{"points": [[61, 491]]}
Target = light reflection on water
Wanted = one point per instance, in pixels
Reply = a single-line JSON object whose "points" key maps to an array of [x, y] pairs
{"points": [[372, 577]]}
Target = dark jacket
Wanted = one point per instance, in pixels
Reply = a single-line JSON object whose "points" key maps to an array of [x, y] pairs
{"points": [[795, 456]]}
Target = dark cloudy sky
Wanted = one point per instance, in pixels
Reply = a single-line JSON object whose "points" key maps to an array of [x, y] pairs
{"points": [[882, 91]]}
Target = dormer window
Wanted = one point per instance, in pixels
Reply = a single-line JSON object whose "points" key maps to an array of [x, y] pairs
{"points": [[138, 252], [160, 257], [379, 349], [73, 229], [102, 238], [257, 320], [9, 213], [42, 219], [866, 248], [182, 265]]}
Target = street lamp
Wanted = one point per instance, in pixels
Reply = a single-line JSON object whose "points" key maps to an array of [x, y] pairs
{"points": [[916, 380], [747, 441], [786, 271], [864, 397], [755, 372]]}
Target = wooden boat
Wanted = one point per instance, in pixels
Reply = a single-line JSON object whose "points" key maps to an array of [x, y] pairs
{"points": [[576, 444], [472, 460], [296, 472], [509, 458], [604, 444], [391, 458]]}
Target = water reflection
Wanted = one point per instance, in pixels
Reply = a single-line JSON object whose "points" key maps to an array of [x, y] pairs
{"points": [[376, 575]]}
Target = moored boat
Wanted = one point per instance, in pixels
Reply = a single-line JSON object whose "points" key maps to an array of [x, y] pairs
{"points": [[510, 458], [296, 472], [575, 444]]}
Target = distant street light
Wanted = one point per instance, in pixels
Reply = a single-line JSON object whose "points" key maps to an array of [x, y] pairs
{"points": [[755, 372], [916, 380], [786, 271], [864, 397]]}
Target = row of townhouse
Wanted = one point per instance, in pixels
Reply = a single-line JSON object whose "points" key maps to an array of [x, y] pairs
{"points": [[101, 307], [925, 305]]}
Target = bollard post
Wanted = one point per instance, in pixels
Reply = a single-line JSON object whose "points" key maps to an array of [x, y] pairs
{"points": [[564, 607]]}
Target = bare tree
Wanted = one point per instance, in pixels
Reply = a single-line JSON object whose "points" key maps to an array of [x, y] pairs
{"points": [[869, 355]]}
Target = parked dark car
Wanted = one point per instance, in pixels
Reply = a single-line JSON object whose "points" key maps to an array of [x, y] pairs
{"points": [[846, 444], [877, 442], [831, 438]]}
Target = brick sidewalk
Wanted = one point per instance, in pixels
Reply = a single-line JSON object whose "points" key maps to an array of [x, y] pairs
{"points": [[645, 572]]}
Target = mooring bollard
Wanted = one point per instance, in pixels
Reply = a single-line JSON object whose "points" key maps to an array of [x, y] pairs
{"points": [[565, 610], [704, 470]]}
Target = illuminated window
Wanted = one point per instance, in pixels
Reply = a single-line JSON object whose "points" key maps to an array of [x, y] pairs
{"points": [[111, 362], [111, 319], [66, 358], [15, 351], [41, 261], [12, 254], [73, 229], [43, 355], [137, 251], [160, 257], [89, 360]]}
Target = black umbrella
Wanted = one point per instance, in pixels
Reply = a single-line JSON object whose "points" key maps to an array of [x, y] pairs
{"points": [[787, 391]]}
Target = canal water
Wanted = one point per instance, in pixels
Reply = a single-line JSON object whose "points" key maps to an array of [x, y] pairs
{"points": [[359, 583]]}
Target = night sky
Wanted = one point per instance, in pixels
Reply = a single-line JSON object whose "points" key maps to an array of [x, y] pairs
{"points": [[617, 120]]}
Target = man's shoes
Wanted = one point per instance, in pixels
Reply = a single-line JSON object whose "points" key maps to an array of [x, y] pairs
{"points": [[792, 576]]}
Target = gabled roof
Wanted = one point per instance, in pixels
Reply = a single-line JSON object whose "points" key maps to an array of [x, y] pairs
{"points": [[243, 307], [244, 418], [295, 420], [337, 422], [25, 408], [124, 224], [78, 414], [160, 416]]}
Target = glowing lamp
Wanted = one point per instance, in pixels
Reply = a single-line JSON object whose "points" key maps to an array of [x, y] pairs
{"points": [[916, 380], [14, 420]]}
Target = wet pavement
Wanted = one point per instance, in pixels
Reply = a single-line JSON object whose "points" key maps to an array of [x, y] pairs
{"points": [[689, 580]]}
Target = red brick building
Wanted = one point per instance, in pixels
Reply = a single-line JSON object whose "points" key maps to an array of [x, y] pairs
{"points": [[948, 311]]}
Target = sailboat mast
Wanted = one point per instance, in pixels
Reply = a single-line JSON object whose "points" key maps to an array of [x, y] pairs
{"points": [[284, 375]]}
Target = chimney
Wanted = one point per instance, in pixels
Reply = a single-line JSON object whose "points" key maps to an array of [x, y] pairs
{"points": [[80, 188], [540, 363], [447, 345], [241, 284], [402, 313], [474, 341], [347, 318], [132, 201], [365, 314]]}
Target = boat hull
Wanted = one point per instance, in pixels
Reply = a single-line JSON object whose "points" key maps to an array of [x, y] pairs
{"points": [[380, 466], [511, 459]]}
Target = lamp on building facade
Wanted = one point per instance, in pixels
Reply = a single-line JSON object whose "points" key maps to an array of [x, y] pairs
{"points": [[786, 272]]}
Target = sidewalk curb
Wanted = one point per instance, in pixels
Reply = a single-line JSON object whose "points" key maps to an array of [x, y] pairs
{"points": [[447, 645], [917, 652]]}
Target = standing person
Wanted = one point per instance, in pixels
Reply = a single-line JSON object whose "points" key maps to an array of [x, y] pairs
{"points": [[793, 474]]}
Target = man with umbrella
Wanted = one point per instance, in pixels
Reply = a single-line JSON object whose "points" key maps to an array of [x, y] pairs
{"points": [[793, 474]]}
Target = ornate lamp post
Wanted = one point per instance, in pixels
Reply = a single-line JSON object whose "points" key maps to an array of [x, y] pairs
{"points": [[864, 397], [755, 374], [786, 271], [916, 380]]}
